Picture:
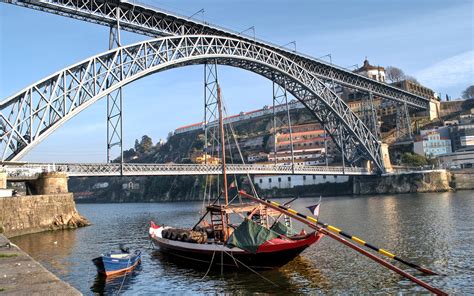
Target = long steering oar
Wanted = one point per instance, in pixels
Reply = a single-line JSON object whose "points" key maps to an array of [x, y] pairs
{"points": [[311, 222], [356, 239]]}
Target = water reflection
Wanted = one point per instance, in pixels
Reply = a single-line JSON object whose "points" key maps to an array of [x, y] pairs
{"points": [[436, 230], [297, 277], [113, 285], [52, 247]]}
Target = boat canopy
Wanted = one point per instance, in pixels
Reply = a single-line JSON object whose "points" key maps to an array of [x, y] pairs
{"points": [[282, 229], [250, 235]]}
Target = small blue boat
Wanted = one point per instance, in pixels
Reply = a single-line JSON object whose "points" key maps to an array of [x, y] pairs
{"points": [[117, 262]]}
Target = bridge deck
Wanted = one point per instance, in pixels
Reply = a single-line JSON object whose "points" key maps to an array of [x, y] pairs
{"points": [[29, 171]]}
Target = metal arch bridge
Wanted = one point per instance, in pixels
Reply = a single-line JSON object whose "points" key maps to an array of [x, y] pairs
{"points": [[29, 116], [156, 22], [30, 171]]}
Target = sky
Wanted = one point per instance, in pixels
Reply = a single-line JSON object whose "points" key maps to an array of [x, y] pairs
{"points": [[432, 40]]}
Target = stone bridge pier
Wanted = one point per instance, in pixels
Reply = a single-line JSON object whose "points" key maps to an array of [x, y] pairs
{"points": [[47, 205], [48, 183]]}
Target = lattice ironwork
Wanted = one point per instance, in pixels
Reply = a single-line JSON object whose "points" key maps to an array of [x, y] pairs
{"points": [[211, 115], [280, 98], [32, 170], [115, 102], [32, 114], [156, 22], [403, 123], [369, 114]]}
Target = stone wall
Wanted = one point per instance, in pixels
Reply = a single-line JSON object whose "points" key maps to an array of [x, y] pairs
{"points": [[463, 179], [50, 183], [34, 213], [436, 181]]}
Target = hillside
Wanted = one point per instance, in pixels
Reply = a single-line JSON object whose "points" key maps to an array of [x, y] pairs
{"points": [[177, 149]]}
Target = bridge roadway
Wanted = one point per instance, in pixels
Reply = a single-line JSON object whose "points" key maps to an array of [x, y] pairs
{"points": [[30, 171]]}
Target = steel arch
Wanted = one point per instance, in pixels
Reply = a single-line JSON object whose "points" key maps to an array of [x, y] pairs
{"points": [[29, 116], [155, 22]]}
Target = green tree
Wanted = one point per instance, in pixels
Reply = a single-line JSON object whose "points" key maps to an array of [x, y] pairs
{"points": [[137, 145], [468, 93], [145, 144], [127, 154], [413, 159]]}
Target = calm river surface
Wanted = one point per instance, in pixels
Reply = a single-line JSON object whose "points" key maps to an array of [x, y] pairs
{"points": [[434, 229]]}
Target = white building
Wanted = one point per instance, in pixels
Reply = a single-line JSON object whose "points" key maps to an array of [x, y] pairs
{"points": [[432, 144], [242, 116], [457, 160], [259, 157], [374, 72], [290, 181], [130, 186], [100, 185]]}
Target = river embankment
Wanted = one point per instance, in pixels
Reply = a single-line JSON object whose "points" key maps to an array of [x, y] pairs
{"points": [[419, 182], [22, 275], [400, 183], [21, 215]]}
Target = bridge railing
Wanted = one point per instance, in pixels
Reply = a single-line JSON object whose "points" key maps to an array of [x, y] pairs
{"points": [[140, 169]]}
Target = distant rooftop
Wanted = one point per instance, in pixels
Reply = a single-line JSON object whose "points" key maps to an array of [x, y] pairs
{"points": [[367, 66]]}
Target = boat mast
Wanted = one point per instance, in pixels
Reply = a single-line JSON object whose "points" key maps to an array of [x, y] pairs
{"points": [[221, 126]]}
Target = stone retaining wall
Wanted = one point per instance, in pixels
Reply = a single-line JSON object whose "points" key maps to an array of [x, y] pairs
{"points": [[463, 179], [35, 213], [435, 181]]}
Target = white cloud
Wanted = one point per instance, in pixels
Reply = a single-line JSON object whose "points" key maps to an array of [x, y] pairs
{"points": [[455, 71]]}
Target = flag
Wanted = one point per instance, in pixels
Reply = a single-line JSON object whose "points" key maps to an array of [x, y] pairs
{"points": [[314, 209]]}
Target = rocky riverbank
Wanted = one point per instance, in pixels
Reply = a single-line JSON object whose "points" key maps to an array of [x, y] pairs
{"points": [[429, 181]]}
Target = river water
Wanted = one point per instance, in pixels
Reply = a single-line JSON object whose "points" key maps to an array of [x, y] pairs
{"points": [[432, 229]]}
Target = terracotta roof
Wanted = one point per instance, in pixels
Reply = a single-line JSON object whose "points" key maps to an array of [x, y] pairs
{"points": [[368, 66]]}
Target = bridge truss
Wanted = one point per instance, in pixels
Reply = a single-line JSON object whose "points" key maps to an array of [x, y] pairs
{"points": [[29, 116], [32, 171], [155, 22]]}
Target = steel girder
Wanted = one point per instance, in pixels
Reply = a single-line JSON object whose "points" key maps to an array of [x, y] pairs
{"points": [[156, 22], [31, 115], [33, 170]]}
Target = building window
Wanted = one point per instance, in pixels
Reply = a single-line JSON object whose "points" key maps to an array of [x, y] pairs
{"points": [[304, 177], [279, 180], [269, 180], [289, 179], [314, 177], [260, 181]]}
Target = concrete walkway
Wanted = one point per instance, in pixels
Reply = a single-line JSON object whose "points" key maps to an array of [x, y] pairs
{"points": [[21, 275]]}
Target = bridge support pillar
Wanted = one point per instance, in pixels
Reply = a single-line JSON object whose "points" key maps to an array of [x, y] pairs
{"points": [[3, 180], [51, 183], [386, 158]]}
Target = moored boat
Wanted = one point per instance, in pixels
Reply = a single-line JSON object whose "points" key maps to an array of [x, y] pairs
{"points": [[272, 253], [262, 239], [117, 262]]}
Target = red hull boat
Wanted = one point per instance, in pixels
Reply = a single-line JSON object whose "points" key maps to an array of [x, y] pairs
{"points": [[271, 254], [261, 241]]}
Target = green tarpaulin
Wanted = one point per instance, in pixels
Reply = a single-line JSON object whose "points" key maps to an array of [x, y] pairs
{"points": [[281, 228], [250, 235]]}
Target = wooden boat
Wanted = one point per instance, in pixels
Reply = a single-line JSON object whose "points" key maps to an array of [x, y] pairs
{"points": [[261, 241], [117, 262], [273, 253]]}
